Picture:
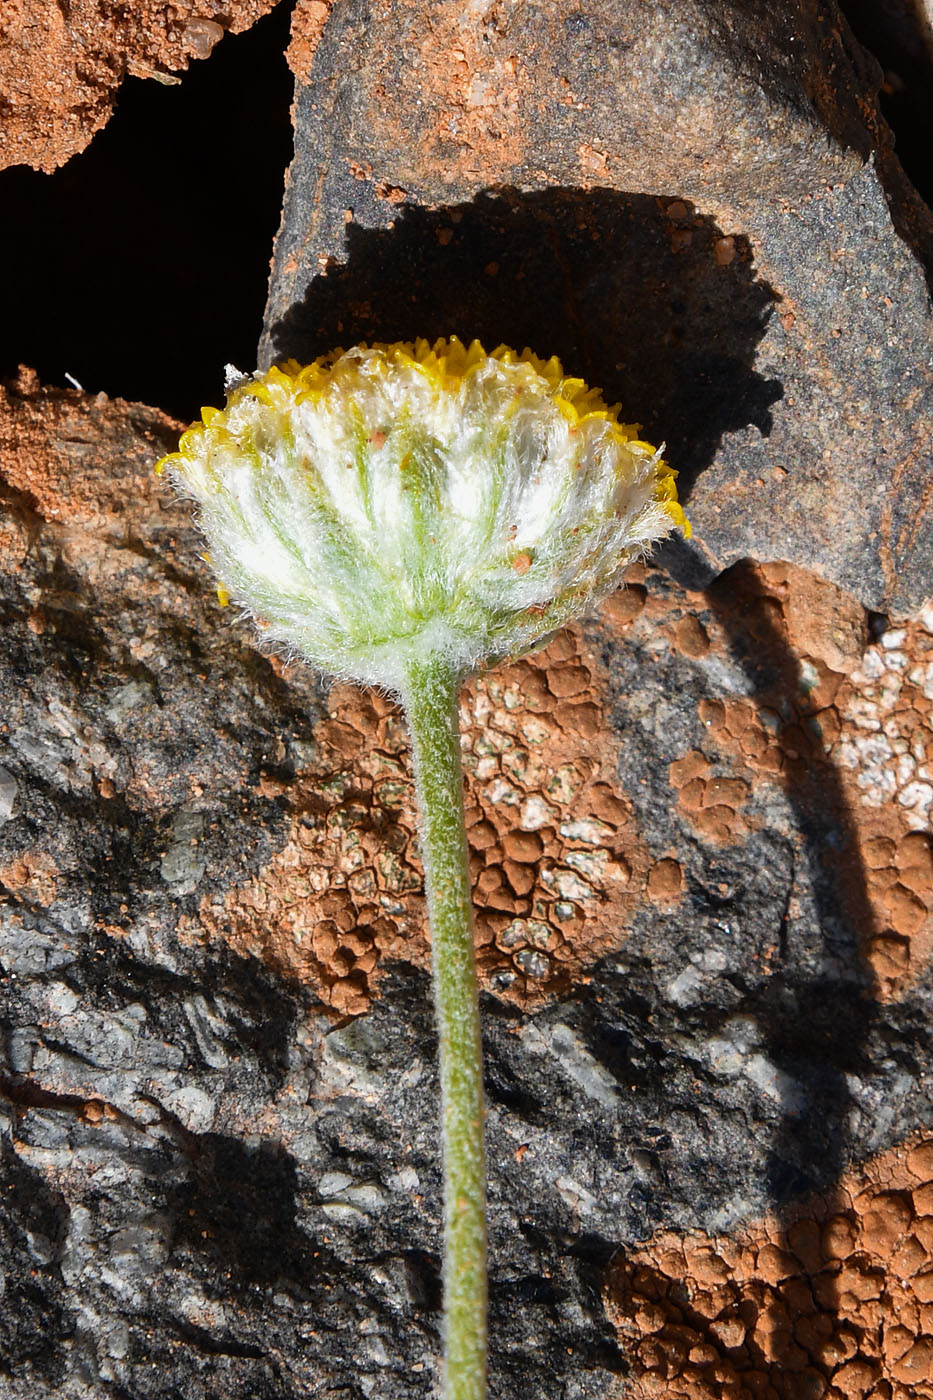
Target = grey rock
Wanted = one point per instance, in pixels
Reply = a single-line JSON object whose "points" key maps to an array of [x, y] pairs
{"points": [[181, 864], [696, 206], [8, 794], [576, 1061]]}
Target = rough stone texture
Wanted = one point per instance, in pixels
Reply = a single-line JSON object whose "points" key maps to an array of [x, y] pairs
{"points": [[62, 64], [218, 1182], [696, 206], [699, 821]]}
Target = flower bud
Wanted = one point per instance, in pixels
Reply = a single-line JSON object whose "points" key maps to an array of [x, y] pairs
{"points": [[394, 502]]}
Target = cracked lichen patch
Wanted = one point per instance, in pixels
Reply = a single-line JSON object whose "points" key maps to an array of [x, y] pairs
{"points": [[834, 1301], [556, 862], [889, 753], [713, 803]]}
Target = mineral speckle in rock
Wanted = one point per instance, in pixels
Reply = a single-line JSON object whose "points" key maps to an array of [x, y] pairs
{"points": [[9, 791]]}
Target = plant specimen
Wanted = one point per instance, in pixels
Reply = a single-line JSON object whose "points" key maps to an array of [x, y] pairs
{"points": [[400, 515]]}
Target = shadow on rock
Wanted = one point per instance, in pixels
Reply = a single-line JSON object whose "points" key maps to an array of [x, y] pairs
{"points": [[639, 295], [34, 1316], [823, 1020], [237, 1212], [760, 1288], [223, 1007], [816, 1027]]}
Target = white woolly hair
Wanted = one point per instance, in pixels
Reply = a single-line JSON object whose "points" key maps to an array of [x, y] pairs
{"points": [[379, 511]]}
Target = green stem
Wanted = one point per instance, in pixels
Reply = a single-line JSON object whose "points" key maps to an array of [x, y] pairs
{"points": [[430, 695]]}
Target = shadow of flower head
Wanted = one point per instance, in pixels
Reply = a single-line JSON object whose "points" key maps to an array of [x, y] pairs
{"points": [[643, 296]]}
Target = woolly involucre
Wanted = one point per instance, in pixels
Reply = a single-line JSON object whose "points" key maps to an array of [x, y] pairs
{"points": [[392, 502]]}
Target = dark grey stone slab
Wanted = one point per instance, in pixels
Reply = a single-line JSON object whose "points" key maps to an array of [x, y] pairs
{"points": [[697, 207]]}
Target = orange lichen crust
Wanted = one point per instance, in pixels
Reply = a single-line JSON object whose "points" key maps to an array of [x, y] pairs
{"points": [[31, 876], [61, 65], [308, 20], [557, 864], [834, 1302], [471, 85], [841, 722], [53, 454], [715, 805]]}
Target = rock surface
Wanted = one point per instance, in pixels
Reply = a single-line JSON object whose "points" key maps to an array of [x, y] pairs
{"points": [[699, 821], [697, 207], [704, 890], [61, 65]]}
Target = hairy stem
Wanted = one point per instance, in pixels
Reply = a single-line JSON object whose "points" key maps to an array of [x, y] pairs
{"points": [[430, 695]]}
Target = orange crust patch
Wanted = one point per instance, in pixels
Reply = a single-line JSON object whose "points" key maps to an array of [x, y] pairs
{"points": [[32, 876], [557, 865], [61, 65], [308, 20], [471, 85], [834, 1301], [53, 453]]}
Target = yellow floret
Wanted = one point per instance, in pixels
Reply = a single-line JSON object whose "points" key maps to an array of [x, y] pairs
{"points": [[445, 364]]}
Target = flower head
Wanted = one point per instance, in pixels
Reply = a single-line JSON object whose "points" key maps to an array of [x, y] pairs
{"points": [[394, 501]]}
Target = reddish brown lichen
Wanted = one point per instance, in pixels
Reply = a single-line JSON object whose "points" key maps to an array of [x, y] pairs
{"points": [[833, 1302], [557, 864], [31, 876], [308, 20], [61, 65], [468, 85], [54, 453]]}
